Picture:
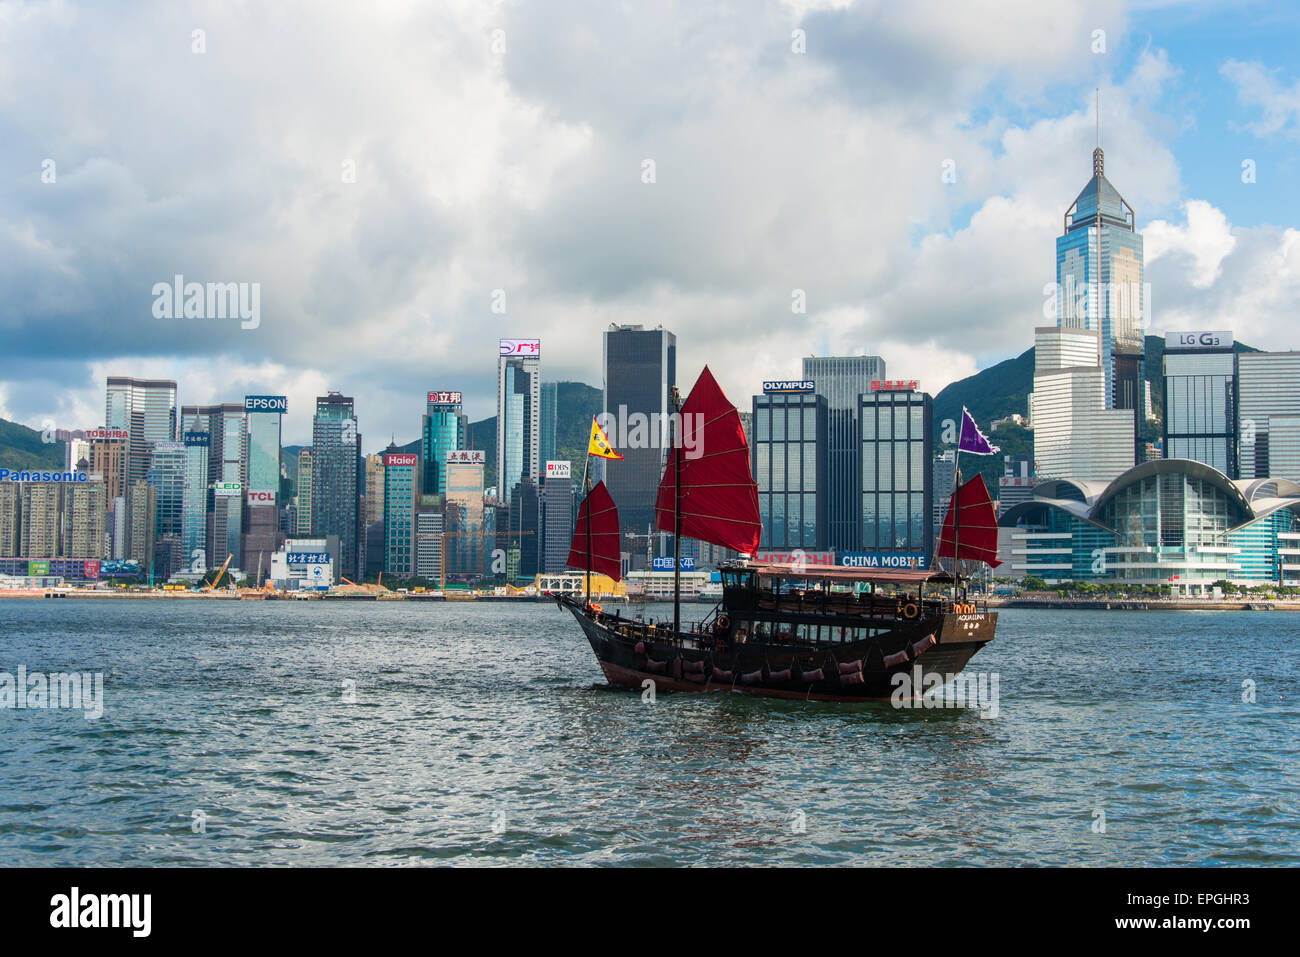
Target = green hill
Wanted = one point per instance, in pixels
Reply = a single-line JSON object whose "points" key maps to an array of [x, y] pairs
{"points": [[22, 448]]}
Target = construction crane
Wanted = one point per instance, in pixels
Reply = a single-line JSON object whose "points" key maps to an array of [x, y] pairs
{"points": [[224, 565]]}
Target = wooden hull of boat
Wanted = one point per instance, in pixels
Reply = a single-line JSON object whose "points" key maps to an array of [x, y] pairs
{"points": [[957, 639]]}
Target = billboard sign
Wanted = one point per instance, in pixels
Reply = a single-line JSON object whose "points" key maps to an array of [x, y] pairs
{"points": [[402, 460], [261, 498], [1221, 339], [666, 564], [559, 470], [788, 386], [38, 569], [795, 557], [318, 575], [308, 558], [90, 570], [227, 488], [894, 385], [197, 440], [466, 457], [117, 566], [883, 560], [120, 435], [444, 398], [266, 403], [521, 348]]}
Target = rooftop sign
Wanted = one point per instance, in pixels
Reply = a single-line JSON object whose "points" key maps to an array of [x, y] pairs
{"points": [[1221, 339], [787, 386]]}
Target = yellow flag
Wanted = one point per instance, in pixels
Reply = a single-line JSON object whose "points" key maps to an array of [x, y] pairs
{"points": [[599, 444]]}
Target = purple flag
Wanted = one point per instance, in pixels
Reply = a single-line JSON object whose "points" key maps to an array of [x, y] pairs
{"points": [[972, 439]]}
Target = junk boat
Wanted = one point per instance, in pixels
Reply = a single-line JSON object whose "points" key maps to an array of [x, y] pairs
{"points": [[780, 630]]}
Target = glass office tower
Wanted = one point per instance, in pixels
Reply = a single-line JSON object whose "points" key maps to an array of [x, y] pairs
{"points": [[788, 445], [400, 470], [519, 414], [194, 506], [841, 380], [442, 430], [896, 476], [466, 523], [550, 395], [1099, 275], [146, 409], [1200, 391], [640, 367], [336, 475]]}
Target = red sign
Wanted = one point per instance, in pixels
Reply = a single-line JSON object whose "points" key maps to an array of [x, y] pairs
{"points": [[91, 570], [261, 498], [400, 461], [521, 347], [795, 557], [893, 385], [107, 434], [444, 398]]}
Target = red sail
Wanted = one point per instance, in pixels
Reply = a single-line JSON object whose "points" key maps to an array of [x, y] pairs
{"points": [[719, 497], [603, 513], [977, 538]]}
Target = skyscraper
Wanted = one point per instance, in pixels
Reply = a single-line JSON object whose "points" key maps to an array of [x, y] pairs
{"points": [[466, 523], [227, 429], [841, 380], [1200, 390], [261, 533], [442, 430], [1099, 275], [1269, 415], [336, 468], [304, 491], [788, 447], [519, 413], [557, 515], [375, 488], [400, 471], [167, 475], [146, 409], [550, 397], [896, 475], [640, 369], [196, 496], [1075, 435]]}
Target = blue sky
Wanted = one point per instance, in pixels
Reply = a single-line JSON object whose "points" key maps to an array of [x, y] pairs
{"points": [[502, 146]]}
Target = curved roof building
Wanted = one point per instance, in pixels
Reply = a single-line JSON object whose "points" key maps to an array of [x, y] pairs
{"points": [[1161, 522]]}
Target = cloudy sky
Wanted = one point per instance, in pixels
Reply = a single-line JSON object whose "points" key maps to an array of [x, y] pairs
{"points": [[383, 169]]}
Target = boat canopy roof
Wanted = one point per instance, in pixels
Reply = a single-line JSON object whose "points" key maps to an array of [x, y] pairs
{"points": [[882, 576]]}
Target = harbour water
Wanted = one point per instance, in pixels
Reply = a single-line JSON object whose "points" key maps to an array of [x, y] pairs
{"points": [[319, 733]]}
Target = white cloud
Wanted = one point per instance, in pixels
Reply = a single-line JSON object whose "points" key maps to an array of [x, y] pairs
{"points": [[1204, 242], [1260, 88]]}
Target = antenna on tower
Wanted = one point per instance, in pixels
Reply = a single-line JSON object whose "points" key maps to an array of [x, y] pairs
{"points": [[1098, 91]]}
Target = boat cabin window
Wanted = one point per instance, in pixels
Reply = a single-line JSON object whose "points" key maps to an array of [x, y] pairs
{"points": [[738, 579]]}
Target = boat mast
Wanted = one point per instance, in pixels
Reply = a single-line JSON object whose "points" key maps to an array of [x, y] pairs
{"points": [[956, 517], [586, 463], [677, 512]]}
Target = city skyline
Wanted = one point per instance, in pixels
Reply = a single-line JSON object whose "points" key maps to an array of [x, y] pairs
{"points": [[378, 251]]}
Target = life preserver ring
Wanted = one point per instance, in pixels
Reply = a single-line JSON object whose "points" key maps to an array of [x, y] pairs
{"points": [[595, 607], [910, 610], [721, 624]]}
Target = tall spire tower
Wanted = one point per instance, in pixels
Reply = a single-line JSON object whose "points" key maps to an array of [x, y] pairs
{"points": [[1099, 274]]}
